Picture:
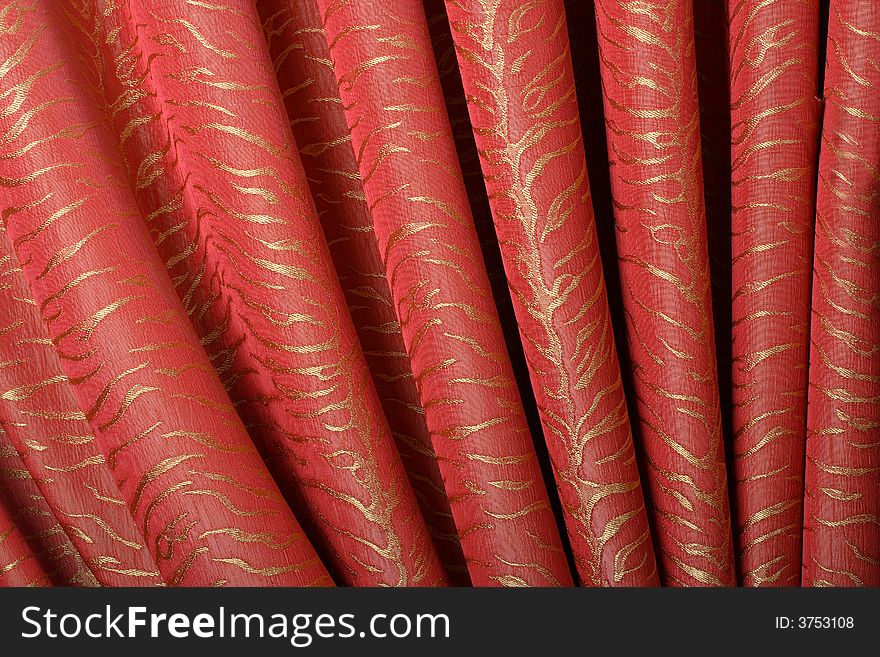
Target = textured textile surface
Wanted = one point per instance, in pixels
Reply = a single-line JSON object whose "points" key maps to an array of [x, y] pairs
{"points": [[439, 293], [774, 115], [649, 79], [842, 503], [517, 73]]}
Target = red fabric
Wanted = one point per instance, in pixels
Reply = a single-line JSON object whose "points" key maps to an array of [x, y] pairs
{"points": [[58, 451], [189, 474], [774, 123], [36, 549], [651, 114], [315, 292], [432, 260], [475, 185], [711, 39], [842, 505], [39, 552], [243, 245], [18, 564], [311, 95], [517, 75]]}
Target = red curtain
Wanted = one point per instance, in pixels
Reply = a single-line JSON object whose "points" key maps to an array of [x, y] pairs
{"points": [[774, 115], [361, 292]]}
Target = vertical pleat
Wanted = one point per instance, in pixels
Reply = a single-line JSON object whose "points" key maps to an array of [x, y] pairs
{"points": [[305, 74], [650, 86], [713, 86], [774, 120], [183, 462], [842, 505], [45, 426], [517, 75], [401, 136], [226, 200]]}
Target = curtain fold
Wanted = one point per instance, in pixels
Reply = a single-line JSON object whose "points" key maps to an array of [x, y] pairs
{"points": [[651, 111], [439, 292], [122, 334], [51, 435], [243, 245], [774, 115], [433, 264], [516, 70], [711, 45], [842, 503], [308, 86]]}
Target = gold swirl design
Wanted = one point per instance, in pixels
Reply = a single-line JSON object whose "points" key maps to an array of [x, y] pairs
{"points": [[842, 504], [646, 53], [296, 40], [556, 282], [774, 124], [433, 264], [230, 214], [76, 233], [32, 540]]}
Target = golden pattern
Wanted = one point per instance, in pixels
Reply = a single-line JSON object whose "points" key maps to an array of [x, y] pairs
{"points": [[77, 215], [247, 257], [842, 514], [646, 52], [526, 123], [434, 267], [774, 125]]}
